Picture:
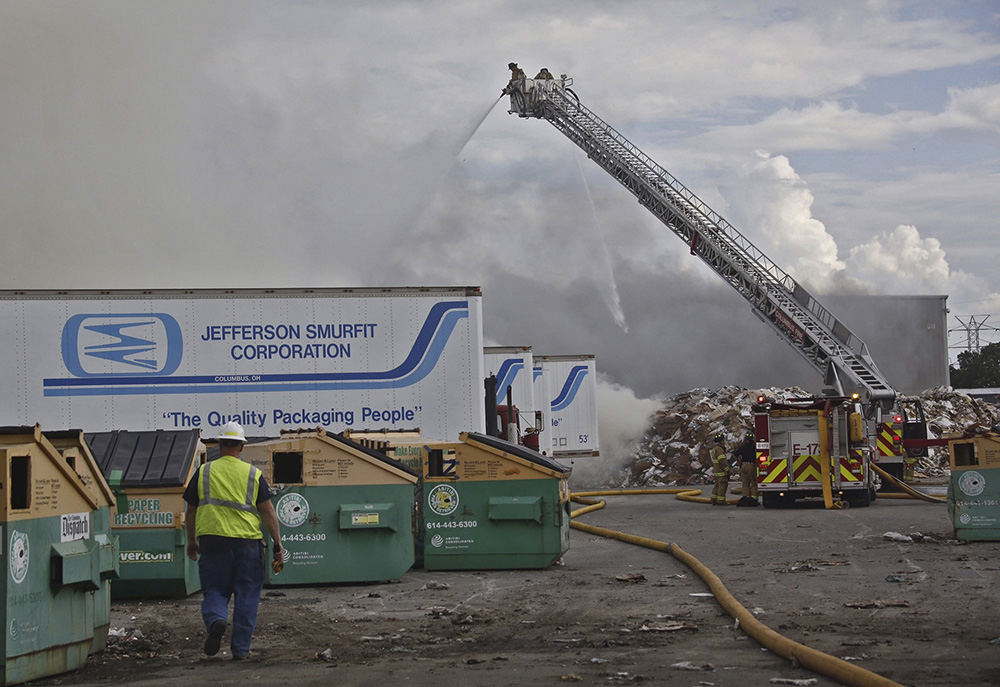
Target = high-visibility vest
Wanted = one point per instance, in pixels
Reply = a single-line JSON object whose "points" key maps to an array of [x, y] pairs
{"points": [[227, 499]]}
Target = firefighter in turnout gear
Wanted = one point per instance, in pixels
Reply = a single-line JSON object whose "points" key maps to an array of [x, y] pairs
{"points": [[746, 455], [720, 469], [517, 75]]}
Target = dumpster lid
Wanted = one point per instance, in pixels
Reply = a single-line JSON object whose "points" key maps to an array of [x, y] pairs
{"points": [[322, 434], [159, 458], [520, 451], [377, 455]]}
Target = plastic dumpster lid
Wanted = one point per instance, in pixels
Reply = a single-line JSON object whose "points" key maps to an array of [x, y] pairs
{"points": [[520, 451], [12, 429], [377, 455], [160, 458], [321, 433]]}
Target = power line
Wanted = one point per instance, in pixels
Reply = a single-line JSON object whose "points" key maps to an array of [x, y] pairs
{"points": [[972, 326]]}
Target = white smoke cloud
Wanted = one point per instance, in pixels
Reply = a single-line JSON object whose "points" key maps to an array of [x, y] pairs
{"points": [[775, 205], [903, 261], [901, 258], [622, 418]]}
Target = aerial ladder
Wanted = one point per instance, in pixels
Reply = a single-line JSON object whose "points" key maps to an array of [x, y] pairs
{"points": [[776, 298]]}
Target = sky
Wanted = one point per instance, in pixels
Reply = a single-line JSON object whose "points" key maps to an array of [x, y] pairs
{"points": [[307, 143]]}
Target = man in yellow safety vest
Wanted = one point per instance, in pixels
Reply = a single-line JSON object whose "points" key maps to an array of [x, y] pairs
{"points": [[227, 500]]}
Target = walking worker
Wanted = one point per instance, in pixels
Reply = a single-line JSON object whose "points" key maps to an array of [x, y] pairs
{"points": [[720, 468], [746, 455], [228, 499]]}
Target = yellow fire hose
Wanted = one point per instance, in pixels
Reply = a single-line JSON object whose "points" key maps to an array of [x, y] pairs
{"points": [[827, 479], [837, 669], [910, 492]]}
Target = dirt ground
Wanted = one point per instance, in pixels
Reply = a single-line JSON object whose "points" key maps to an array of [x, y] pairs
{"points": [[924, 612]]}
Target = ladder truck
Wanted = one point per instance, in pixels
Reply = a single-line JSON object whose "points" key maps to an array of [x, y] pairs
{"points": [[826, 343]]}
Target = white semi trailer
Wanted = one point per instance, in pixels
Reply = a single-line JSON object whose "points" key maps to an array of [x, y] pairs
{"points": [[513, 368], [394, 358], [569, 382]]}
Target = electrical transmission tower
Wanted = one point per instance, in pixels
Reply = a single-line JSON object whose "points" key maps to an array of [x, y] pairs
{"points": [[972, 327]]}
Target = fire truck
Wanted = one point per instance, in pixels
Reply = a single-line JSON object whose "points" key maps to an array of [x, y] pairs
{"points": [[812, 447], [776, 298]]}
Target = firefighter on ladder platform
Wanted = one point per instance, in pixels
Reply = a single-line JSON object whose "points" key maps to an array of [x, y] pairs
{"points": [[720, 470], [517, 76]]}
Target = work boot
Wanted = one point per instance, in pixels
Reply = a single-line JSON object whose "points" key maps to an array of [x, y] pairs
{"points": [[214, 638]]}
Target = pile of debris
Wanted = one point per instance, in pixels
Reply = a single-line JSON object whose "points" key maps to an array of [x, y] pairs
{"points": [[674, 450]]}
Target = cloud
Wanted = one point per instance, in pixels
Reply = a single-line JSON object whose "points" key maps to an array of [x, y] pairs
{"points": [[973, 108], [775, 205], [836, 126], [902, 261], [902, 257]]}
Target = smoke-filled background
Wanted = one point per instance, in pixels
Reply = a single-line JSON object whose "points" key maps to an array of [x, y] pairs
{"points": [[269, 144]]}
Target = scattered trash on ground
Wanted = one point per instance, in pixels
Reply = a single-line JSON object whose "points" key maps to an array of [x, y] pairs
{"points": [[326, 655], [688, 665], [631, 577], [896, 536], [670, 627], [878, 603]]}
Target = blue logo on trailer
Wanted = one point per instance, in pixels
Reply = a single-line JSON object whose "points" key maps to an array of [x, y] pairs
{"points": [[536, 372], [126, 346], [570, 387], [97, 345], [507, 375]]}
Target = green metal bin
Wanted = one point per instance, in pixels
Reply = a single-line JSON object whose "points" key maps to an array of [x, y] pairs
{"points": [[488, 504], [974, 488], [151, 469], [346, 511], [58, 554]]}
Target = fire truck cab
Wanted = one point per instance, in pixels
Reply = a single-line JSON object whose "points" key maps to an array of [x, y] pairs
{"points": [[812, 447]]}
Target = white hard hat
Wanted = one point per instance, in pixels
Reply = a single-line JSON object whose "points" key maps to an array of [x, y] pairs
{"points": [[232, 431]]}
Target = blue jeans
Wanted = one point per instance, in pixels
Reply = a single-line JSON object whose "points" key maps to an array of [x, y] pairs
{"points": [[231, 568]]}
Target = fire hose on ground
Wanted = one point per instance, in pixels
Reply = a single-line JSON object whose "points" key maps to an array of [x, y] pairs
{"points": [[908, 491], [809, 658]]}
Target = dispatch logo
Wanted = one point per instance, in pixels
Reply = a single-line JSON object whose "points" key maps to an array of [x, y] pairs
{"points": [[110, 345]]}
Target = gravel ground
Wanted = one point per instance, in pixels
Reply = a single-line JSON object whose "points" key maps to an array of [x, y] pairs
{"points": [[923, 612]]}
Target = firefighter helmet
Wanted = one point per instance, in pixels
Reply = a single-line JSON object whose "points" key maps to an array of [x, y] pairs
{"points": [[718, 438]]}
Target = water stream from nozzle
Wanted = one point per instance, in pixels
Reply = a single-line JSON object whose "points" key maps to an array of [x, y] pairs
{"points": [[472, 132], [609, 290], [437, 172]]}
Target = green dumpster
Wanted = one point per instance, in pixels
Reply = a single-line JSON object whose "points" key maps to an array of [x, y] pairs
{"points": [[346, 511], [151, 468], [58, 554], [974, 488], [488, 504]]}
